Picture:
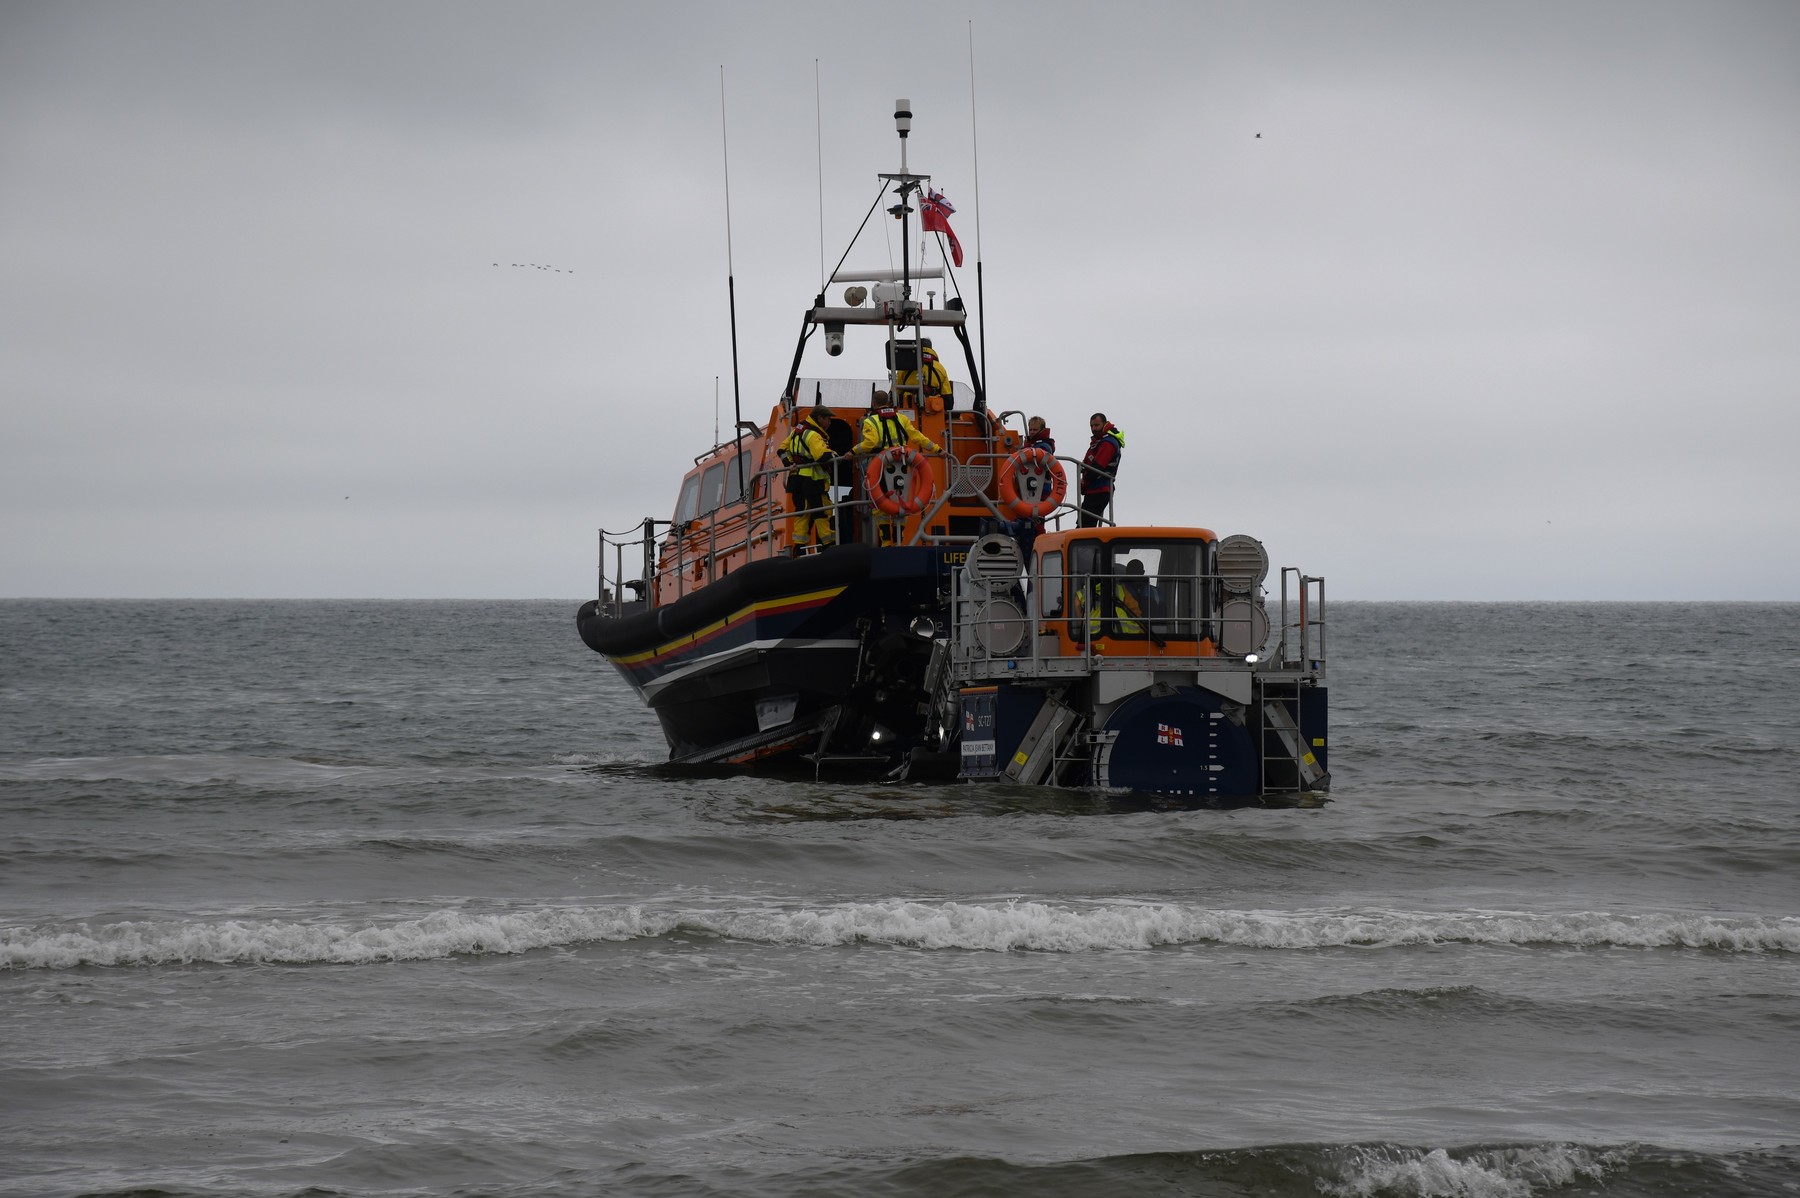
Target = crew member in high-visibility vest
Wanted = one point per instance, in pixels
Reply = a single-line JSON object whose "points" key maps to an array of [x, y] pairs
{"points": [[1134, 598], [1124, 616], [883, 428], [807, 452], [1099, 469], [1117, 608], [937, 381]]}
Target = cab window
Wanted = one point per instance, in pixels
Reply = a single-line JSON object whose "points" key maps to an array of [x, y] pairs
{"points": [[1083, 558], [1156, 590], [1139, 568], [1085, 562], [1169, 578], [1050, 583]]}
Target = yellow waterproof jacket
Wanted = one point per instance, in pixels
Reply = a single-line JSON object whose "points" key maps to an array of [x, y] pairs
{"points": [[806, 447], [937, 382], [1124, 617], [885, 430]]}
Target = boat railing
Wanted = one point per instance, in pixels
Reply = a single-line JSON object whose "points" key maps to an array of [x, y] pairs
{"points": [[1091, 612], [970, 479], [1069, 624], [691, 552], [1302, 637], [613, 586]]}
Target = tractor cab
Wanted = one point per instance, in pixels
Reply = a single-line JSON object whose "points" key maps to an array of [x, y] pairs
{"points": [[1134, 591]]}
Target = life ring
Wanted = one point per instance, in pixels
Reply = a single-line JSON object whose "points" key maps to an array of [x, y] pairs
{"points": [[900, 481], [1031, 471]]}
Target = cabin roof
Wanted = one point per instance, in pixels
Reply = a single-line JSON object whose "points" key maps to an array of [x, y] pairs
{"points": [[1126, 532]]}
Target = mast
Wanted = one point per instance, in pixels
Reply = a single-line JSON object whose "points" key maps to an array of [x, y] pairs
{"points": [[895, 315], [903, 123], [905, 183]]}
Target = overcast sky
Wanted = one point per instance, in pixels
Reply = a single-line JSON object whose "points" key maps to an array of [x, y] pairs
{"points": [[1503, 303]]}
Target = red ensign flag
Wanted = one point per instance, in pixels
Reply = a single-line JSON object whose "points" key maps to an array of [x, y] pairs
{"points": [[934, 216]]}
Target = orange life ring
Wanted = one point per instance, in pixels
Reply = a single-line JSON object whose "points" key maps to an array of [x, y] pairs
{"points": [[899, 480], [1036, 471]]}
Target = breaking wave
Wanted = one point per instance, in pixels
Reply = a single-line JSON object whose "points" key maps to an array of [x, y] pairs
{"points": [[1508, 1172], [988, 927], [1377, 1170]]}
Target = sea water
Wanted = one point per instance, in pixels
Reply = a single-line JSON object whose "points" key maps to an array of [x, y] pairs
{"points": [[346, 898]]}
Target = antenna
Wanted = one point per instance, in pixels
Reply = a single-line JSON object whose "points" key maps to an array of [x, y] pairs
{"points": [[819, 137], [975, 150], [737, 414]]}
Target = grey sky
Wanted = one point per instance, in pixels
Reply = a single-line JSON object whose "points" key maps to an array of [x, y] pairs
{"points": [[1502, 304]]}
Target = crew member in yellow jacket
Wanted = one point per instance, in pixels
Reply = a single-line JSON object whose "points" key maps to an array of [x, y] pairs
{"points": [[807, 453], [937, 382], [1120, 609], [883, 428]]}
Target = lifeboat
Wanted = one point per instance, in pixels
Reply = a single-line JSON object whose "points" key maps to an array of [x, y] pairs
{"points": [[753, 648], [817, 601]]}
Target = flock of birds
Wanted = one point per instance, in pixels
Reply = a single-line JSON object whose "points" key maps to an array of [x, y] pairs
{"points": [[559, 270]]}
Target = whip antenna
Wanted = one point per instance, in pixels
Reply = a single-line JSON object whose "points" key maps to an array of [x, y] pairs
{"points": [[737, 414], [819, 138], [975, 151]]}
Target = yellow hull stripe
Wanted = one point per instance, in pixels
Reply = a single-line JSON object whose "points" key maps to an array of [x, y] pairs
{"points": [[761, 607]]}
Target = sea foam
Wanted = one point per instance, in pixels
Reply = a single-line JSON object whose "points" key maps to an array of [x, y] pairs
{"points": [[994, 926], [1483, 1173]]}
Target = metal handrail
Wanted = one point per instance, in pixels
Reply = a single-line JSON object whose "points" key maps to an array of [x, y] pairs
{"points": [[1309, 627], [1159, 629], [751, 521], [744, 523]]}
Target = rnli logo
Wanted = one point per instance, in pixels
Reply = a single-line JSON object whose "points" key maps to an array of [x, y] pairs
{"points": [[1168, 734]]}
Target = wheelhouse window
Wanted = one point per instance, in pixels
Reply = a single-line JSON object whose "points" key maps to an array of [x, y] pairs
{"points": [[736, 478], [754, 479], [688, 506], [712, 488], [708, 491]]}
